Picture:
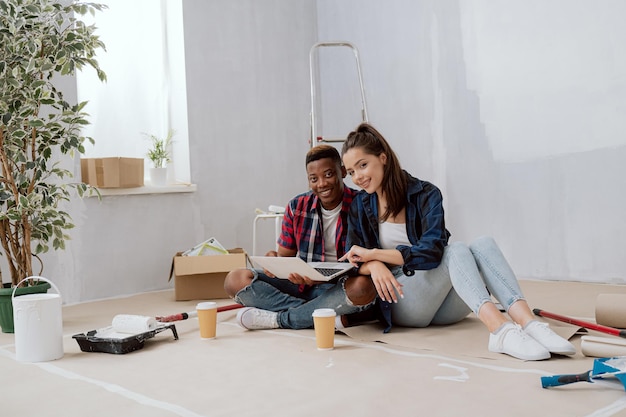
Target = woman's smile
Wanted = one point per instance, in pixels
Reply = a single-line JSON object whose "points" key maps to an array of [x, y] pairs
{"points": [[366, 170]]}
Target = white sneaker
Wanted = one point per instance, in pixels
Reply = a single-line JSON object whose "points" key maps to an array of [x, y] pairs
{"points": [[542, 333], [256, 319], [512, 340]]}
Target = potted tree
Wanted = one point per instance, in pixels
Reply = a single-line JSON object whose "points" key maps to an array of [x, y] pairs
{"points": [[159, 155], [40, 41]]}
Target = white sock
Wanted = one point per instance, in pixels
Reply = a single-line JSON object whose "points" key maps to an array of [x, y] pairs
{"points": [[531, 322], [499, 329], [338, 323]]}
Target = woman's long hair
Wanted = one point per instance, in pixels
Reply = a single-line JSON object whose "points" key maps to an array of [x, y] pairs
{"points": [[394, 182]]}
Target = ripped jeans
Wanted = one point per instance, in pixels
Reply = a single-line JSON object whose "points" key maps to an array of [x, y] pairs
{"points": [[294, 305]]}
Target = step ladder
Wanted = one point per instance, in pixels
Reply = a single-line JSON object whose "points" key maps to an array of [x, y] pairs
{"points": [[315, 137]]}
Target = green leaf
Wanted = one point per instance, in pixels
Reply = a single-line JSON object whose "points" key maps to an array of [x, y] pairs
{"points": [[36, 123], [37, 39]]}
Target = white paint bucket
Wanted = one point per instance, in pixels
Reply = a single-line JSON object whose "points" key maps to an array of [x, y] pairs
{"points": [[38, 323]]}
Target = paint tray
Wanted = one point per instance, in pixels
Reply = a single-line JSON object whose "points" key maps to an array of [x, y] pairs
{"points": [[615, 367], [97, 340]]}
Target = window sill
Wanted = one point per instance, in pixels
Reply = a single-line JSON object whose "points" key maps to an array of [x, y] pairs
{"points": [[148, 189]]}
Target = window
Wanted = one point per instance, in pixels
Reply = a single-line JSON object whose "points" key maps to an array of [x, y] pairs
{"points": [[146, 89]]}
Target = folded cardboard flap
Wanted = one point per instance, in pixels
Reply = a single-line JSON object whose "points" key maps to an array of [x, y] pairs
{"points": [[191, 265], [202, 277], [113, 172]]}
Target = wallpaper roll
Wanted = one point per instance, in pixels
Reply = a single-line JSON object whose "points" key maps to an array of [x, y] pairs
{"points": [[611, 310], [602, 347]]}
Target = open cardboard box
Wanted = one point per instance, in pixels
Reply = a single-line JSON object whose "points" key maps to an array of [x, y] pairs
{"points": [[202, 277], [114, 172]]}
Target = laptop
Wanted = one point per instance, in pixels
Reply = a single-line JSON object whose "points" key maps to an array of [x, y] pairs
{"points": [[282, 266]]}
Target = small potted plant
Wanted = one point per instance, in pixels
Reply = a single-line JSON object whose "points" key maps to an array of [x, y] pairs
{"points": [[39, 40], [159, 155]]}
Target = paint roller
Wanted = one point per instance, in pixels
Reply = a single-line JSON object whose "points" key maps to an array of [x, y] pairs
{"points": [[133, 324], [136, 324]]}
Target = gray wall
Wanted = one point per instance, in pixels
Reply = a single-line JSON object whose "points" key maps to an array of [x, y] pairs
{"points": [[430, 90]]}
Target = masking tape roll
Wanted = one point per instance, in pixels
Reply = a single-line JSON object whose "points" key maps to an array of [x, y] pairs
{"points": [[611, 310], [132, 324]]}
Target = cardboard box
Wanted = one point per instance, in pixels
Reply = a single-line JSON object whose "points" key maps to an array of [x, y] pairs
{"points": [[114, 172], [202, 277]]}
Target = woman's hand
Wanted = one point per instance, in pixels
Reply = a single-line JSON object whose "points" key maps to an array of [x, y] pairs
{"points": [[373, 262], [357, 255], [386, 284]]}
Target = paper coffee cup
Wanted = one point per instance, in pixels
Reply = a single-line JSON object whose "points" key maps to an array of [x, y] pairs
{"points": [[207, 319], [324, 324]]}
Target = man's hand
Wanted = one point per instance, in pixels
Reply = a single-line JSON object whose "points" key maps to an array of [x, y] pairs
{"points": [[301, 280], [265, 271]]}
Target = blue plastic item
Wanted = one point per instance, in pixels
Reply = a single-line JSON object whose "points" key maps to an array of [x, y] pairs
{"points": [[603, 368]]}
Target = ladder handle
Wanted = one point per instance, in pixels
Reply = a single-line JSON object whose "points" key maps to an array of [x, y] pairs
{"points": [[313, 139], [333, 43]]}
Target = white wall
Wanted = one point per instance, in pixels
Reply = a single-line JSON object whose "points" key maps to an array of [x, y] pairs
{"points": [[514, 109], [435, 87]]}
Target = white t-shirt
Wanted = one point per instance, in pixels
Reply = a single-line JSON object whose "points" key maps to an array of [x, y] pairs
{"points": [[393, 234], [329, 220]]}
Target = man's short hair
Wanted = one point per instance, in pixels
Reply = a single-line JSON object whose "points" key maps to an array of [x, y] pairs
{"points": [[323, 151]]}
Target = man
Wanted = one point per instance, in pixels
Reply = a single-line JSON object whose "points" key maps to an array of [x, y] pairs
{"points": [[314, 228]]}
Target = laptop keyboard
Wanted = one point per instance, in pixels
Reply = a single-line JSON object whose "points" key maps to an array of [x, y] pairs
{"points": [[327, 271]]}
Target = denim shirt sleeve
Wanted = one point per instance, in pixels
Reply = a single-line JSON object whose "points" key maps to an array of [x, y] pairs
{"points": [[426, 228], [362, 223]]}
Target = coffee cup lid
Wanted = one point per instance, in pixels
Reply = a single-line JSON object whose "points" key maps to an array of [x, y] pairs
{"points": [[207, 305], [324, 312]]}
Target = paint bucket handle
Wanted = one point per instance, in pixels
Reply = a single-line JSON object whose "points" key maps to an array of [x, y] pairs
{"points": [[37, 278]]}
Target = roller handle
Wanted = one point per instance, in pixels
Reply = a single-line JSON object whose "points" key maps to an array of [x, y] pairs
{"points": [[191, 314], [587, 325], [558, 380], [176, 317]]}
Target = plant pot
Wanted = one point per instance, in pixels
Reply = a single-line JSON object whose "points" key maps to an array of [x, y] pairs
{"points": [[6, 305], [158, 176]]}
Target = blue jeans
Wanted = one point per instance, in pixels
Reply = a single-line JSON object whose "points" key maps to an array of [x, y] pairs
{"points": [[481, 270], [295, 305], [463, 282], [429, 299]]}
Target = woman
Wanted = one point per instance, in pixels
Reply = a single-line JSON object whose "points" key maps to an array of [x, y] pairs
{"points": [[397, 235]]}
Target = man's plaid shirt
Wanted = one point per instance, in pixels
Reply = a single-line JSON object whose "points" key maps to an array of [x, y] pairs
{"points": [[302, 228]]}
